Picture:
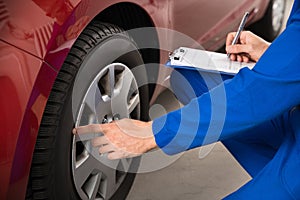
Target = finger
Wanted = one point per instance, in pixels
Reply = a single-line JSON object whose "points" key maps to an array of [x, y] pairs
{"points": [[245, 58], [239, 58], [121, 154], [116, 155], [91, 128], [230, 37], [233, 57], [98, 141], [243, 36], [107, 149], [238, 48]]}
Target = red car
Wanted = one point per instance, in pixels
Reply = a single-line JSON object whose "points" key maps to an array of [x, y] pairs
{"points": [[49, 47]]}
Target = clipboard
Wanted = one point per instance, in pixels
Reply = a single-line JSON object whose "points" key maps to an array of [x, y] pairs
{"points": [[196, 59]]}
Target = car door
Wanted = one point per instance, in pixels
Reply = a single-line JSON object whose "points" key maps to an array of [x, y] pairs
{"points": [[207, 21]]}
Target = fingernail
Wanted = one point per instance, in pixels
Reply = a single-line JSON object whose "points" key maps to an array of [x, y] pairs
{"points": [[74, 131]]}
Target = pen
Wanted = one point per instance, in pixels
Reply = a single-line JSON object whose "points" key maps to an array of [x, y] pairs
{"points": [[240, 29]]}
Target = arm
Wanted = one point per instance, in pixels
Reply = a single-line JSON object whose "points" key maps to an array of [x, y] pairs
{"points": [[250, 98]]}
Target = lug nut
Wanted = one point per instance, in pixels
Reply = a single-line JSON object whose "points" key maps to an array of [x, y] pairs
{"points": [[104, 121], [116, 117]]}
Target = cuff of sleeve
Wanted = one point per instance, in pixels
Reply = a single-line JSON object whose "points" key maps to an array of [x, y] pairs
{"points": [[160, 133], [163, 136]]}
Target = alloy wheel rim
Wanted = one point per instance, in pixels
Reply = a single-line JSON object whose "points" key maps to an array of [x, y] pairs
{"points": [[277, 14], [113, 94]]}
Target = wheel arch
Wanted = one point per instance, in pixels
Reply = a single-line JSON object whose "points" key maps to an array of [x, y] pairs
{"points": [[126, 15], [132, 16]]}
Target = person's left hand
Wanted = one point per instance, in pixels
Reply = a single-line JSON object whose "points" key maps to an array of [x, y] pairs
{"points": [[121, 139]]}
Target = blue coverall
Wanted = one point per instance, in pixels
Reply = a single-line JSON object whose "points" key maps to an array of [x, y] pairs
{"points": [[254, 114]]}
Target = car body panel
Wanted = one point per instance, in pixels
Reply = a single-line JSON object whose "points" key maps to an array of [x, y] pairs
{"points": [[23, 98], [220, 18], [35, 38]]}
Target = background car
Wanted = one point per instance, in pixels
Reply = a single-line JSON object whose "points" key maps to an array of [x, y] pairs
{"points": [[47, 48]]}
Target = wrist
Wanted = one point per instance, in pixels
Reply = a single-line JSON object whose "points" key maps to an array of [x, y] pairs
{"points": [[266, 46], [151, 143], [263, 50]]}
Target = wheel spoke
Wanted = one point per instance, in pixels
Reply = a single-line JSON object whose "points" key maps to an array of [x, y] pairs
{"points": [[123, 89], [84, 137], [93, 98], [133, 102], [111, 80], [91, 187], [83, 171], [126, 164], [127, 79], [108, 168]]}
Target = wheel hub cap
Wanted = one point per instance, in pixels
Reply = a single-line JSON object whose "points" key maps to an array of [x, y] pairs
{"points": [[112, 95]]}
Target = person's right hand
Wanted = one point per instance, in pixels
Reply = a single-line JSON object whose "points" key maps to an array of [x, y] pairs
{"points": [[250, 47], [124, 138]]}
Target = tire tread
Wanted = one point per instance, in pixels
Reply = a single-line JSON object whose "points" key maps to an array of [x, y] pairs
{"points": [[41, 175]]}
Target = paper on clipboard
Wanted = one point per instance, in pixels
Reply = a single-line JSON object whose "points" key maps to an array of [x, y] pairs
{"points": [[189, 58]]}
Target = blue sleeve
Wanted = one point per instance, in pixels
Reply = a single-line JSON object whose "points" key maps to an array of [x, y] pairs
{"points": [[250, 98]]}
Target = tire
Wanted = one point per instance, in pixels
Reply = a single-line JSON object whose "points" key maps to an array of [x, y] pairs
{"points": [[270, 25], [54, 174]]}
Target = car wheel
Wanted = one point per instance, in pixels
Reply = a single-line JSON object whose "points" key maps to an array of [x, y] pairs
{"points": [[270, 25], [98, 83]]}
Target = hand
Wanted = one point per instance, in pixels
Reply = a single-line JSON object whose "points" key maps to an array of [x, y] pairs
{"points": [[121, 139], [251, 47]]}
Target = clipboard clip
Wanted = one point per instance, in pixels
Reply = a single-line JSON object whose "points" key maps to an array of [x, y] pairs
{"points": [[177, 54]]}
